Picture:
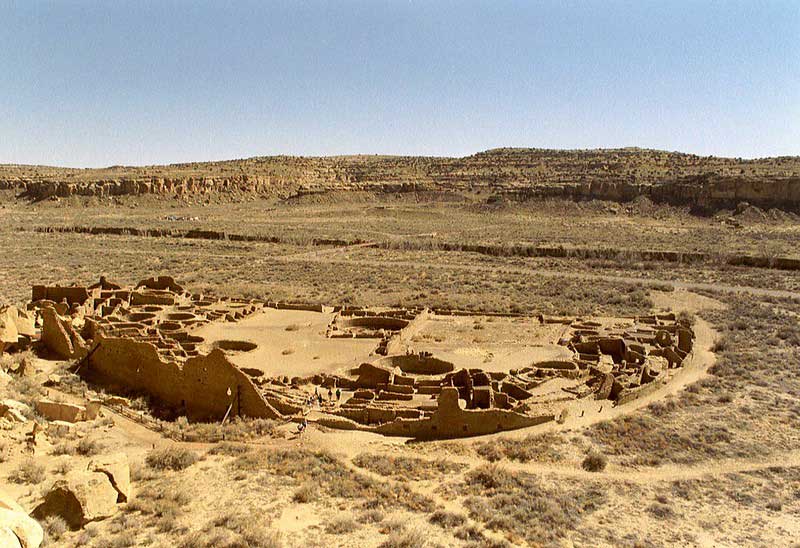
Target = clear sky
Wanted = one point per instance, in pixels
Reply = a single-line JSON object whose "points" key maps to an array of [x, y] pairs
{"points": [[132, 82]]}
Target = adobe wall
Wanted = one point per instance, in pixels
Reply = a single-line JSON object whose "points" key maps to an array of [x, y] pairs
{"points": [[206, 381], [396, 344], [73, 295], [450, 421], [199, 387]]}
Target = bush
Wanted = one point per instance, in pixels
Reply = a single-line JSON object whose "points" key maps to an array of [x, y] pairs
{"points": [[447, 520], [304, 493], [594, 462], [229, 449], [407, 468], [371, 516], [412, 538], [54, 527], [171, 458], [341, 525], [88, 448], [28, 472]]}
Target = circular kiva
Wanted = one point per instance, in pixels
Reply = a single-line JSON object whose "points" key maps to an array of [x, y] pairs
{"points": [[417, 365], [236, 346]]}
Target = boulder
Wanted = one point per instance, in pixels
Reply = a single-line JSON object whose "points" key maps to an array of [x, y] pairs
{"points": [[25, 323], [7, 537], [118, 471], [8, 328], [16, 527], [59, 429], [14, 410], [60, 411], [14, 415], [80, 497], [92, 409]]}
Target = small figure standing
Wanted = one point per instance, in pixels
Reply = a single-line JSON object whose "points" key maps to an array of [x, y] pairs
{"points": [[330, 394], [338, 394]]}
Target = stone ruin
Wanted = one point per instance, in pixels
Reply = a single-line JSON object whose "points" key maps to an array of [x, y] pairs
{"points": [[142, 340]]}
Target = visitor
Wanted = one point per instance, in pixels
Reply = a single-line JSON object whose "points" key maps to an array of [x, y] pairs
{"points": [[338, 394]]}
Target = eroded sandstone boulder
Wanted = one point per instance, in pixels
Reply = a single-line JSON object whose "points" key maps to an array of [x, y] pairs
{"points": [[118, 471], [60, 411], [80, 497], [16, 527]]}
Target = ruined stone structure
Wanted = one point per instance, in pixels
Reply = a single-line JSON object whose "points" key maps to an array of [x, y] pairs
{"points": [[143, 340]]}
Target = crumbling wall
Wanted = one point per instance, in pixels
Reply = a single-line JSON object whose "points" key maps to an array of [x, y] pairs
{"points": [[199, 388], [450, 421]]}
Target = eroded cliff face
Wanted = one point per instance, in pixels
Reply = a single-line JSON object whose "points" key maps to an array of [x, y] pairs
{"points": [[615, 175], [705, 193], [190, 186]]}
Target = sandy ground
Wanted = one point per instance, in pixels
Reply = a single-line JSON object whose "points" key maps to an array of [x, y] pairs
{"points": [[491, 343], [290, 342]]}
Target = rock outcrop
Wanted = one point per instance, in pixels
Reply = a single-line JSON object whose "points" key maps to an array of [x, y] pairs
{"points": [[118, 471], [17, 529], [612, 174], [14, 324], [80, 497]]}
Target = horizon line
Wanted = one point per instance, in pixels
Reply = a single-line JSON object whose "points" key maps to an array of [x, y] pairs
{"points": [[392, 155]]}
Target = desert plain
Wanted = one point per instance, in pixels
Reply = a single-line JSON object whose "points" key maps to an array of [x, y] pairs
{"points": [[518, 348]]}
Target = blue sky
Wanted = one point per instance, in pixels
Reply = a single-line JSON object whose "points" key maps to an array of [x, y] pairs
{"points": [[103, 83]]}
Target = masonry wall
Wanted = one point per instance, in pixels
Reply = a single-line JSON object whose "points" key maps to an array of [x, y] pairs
{"points": [[199, 388]]}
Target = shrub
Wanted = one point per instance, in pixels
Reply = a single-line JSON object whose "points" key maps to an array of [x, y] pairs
{"points": [[411, 538], [28, 472], [304, 493], [661, 510], [447, 520], [229, 449], [54, 527], [468, 532], [63, 449], [406, 467], [88, 448], [170, 458], [371, 516], [341, 525], [594, 462], [251, 533]]}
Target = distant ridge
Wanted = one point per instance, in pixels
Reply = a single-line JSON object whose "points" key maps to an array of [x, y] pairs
{"points": [[516, 173]]}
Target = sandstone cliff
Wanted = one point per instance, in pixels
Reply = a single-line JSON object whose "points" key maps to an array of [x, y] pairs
{"points": [[618, 175]]}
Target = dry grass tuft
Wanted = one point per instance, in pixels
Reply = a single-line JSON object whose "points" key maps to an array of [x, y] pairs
{"points": [[407, 468], [172, 457], [518, 504], [29, 472], [594, 462]]}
